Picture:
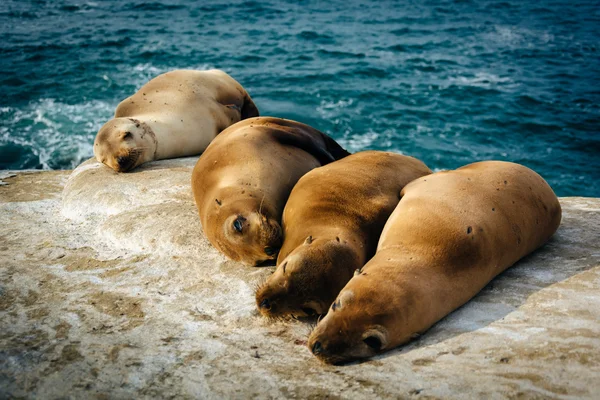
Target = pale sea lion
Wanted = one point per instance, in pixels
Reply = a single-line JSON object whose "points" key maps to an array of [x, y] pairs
{"points": [[243, 179], [332, 222], [176, 114], [451, 233]]}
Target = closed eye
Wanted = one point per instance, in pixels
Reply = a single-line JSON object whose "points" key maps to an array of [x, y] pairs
{"points": [[309, 311]]}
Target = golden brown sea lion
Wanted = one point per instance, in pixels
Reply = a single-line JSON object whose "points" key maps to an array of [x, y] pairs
{"points": [[331, 223], [451, 233], [243, 179], [176, 114]]}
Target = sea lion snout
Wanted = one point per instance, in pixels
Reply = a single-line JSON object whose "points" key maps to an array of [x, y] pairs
{"points": [[123, 161], [337, 347], [327, 351], [271, 235], [127, 160], [268, 298], [309, 277], [348, 331]]}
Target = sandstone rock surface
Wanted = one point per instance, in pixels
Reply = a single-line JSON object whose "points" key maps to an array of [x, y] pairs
{"points": [[109, 289]]}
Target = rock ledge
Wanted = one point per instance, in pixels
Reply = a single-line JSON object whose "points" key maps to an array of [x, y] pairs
{"points": [[109, 289]]}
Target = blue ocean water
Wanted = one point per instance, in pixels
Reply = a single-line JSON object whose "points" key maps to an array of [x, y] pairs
{"points": [[450, 82]]}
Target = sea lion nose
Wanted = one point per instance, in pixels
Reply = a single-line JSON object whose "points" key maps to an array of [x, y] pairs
{"points": [[121, 160], [317, 348], [271, 250], [265, 304]]}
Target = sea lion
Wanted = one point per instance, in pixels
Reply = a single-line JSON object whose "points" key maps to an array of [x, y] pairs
{"points": [[176, 114], [331, 223], [243, 179], [450, 235]]}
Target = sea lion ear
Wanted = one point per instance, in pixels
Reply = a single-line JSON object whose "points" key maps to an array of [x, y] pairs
{"points": [[375, 338], [345, 297], [373, 342], [308, 240]]}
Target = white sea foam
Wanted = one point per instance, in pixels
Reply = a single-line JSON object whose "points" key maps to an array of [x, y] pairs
{"points": [[359, 141], [140, 74], [60, 134], [330, 109], [517, 37], [481, 79]]}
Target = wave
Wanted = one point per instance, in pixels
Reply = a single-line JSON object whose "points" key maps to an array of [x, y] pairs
{"points": [[155, 6], [340, 54], [316, 37], [360, 141], [368, 73], [328, 109], [48, 134], [483, 80], [140, 74]]}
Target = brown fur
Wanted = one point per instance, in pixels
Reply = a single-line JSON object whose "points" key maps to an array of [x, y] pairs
{"points": [[175, 114], [247, 173], [332, 222], [451, 234]]}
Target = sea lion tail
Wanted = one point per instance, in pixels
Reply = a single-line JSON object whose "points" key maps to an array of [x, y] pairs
{"points": [[249, 109]]}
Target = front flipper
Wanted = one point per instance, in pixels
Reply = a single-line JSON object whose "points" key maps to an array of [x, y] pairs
{"points": [[249, 109]]}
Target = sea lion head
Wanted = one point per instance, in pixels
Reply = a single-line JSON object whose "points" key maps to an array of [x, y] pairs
{"points": [[246, 230], [360, 323], [124, 143], [308, 279]]}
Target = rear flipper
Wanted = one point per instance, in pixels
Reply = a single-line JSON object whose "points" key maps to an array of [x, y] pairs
{"points": [[249, 109], [325, 150], [337, 151]]}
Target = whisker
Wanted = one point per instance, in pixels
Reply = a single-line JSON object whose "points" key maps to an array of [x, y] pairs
{"points": [[260, 284], [261, 203], [311, 327]]}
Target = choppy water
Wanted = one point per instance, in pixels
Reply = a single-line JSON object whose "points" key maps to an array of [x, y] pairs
{"points": [[449, 82]]}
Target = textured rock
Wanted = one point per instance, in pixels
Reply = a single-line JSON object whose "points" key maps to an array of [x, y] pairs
{"points": [[109, 288]]}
